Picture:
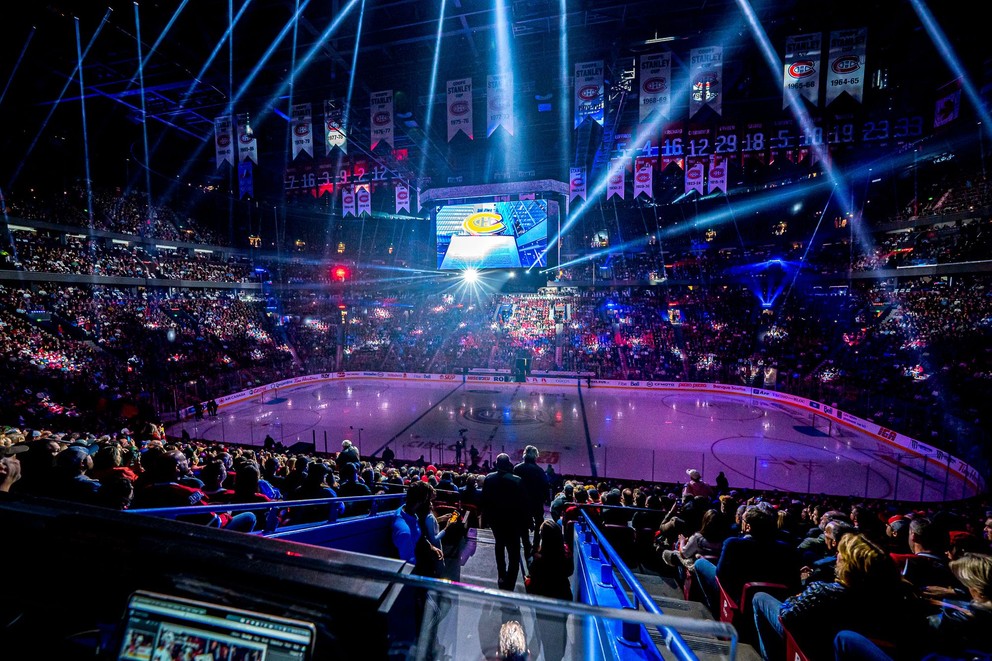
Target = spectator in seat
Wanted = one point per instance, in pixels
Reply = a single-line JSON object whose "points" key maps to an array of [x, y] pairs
{"points": [[562, 500], [406, 530], [70, 480], [824, 568], [10, 465], [868, 597], [928, 564], [246, 486], [314, 487], [109, 461], [350, 485], [535, 482], [755, 557], [963, 629], [708, 540], [164, 490]]}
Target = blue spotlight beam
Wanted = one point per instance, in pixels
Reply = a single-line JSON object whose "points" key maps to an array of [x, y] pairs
{"points": [[51, 111], [142, 63], [144, 113], [431, 90], [17, 65], [952, 61], [86, 137], [354, 67]]}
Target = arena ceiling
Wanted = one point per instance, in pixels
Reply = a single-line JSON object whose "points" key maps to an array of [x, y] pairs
{"points": [[192, 68]]}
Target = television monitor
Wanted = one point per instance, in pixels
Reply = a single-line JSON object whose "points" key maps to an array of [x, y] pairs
{"points": [[493, 235], [159, 626]]}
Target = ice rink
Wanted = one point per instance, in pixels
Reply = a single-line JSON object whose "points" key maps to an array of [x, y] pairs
{"points": [[601, 432]]}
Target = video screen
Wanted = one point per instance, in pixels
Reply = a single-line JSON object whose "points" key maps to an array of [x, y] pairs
{"points": [[494, 235]]}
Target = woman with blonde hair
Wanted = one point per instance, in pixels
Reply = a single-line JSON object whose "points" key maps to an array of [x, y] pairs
{"points": [[962, 628], [867, 596]]}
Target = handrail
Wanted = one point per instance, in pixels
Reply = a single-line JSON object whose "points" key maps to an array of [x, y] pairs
{"points": [[673, 639], [213, 508]]}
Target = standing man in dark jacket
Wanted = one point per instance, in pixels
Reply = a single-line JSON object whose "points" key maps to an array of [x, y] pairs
{"points": [[536, 487], [504, 510]]}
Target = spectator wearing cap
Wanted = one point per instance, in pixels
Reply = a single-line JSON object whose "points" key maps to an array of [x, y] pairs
{"points": [[70, 479], [535, 482], [504, 510], [695, 486], [10, 465]]}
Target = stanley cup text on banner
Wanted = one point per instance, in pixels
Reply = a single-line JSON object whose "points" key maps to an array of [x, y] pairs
{"points": [[846, 71], [363, 200], [802, 68], [347, 202], [402, 197], [223, 140], [460, 108], [576, 183], [694, 175], [718, 174], [656, 85], [334, 127], [302, 126], [499, 102], [643, 176], [589, 92], [247, 146], [382, 118], [617, 178], [706, 76]]}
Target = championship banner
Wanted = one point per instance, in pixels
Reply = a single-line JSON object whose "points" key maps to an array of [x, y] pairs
{"points": [[363, 200], [247, 147], [246, 182], [347, 202], [460, 108], [617, 178], [334, 135], [402, 197], [223, 141], [576, 183], [589, 92], [643, 176], [671, 146], [694, 174], [718, 174], [706, 76], [302, 125], [846, 72], [656, 85], [499, 102], [948, 104], [802, 68], [381, 111]]}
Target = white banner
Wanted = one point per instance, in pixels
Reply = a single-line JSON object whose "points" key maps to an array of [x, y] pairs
{"points": [[347, 202], [948, 105], [223, 140], [802, 68], [247, 146], [706, 76], [576, 183], [499, 102], [363, 200], [460, 108], [617, 178], [718, 173], [589, 93], [656, 85], [381, 111], [402, 197], [302, 125], [334, 135], [846, 72], [694, 175], [643, 177]]}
